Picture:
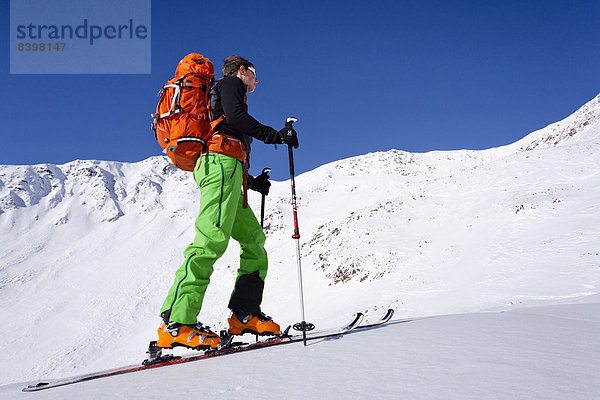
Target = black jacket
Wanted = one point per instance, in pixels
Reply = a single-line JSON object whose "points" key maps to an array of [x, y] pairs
{"points": [[227, 97]]}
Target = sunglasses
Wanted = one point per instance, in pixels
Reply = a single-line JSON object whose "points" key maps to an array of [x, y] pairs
{"points": [[253, 70]]}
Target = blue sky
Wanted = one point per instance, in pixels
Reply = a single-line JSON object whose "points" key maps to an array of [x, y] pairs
{"points": [[360, 76]]}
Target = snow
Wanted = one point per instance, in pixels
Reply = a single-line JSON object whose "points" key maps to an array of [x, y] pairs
{"points": [[501, 245], [533, 353]]}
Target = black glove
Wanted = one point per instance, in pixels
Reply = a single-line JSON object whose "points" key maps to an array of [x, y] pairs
{"points": [[259, 183], [288, 136]]}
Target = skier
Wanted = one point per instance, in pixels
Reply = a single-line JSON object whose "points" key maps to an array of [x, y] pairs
{"points": [[220, 173]]}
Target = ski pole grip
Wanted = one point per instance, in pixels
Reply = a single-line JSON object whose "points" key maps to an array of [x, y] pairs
{"points": [[289, 121], [266, 171], [288, 124]]}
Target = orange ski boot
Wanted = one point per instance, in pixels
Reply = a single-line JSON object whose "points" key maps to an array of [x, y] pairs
{"points": [[242, 322], [197, 337]]}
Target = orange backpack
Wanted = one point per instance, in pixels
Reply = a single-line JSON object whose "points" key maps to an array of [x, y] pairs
{"points": [[182, 122]]}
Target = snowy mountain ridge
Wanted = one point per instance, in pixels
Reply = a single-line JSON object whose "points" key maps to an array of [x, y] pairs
{"points": [[91, 246], [27, 185]]}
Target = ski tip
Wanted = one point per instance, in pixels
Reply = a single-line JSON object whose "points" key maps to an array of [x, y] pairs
{"points": [[357, 320], [34, 387], [388, 315]]}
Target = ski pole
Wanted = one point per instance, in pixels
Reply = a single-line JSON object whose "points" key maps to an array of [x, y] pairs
{"points": [[302, 326], [265, 171]]}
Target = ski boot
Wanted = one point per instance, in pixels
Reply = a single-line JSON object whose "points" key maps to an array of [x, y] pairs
{"points": [[242, 322], [197, 337]]}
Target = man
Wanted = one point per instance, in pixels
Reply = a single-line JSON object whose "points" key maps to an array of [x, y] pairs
{"points": [[220, 174]]}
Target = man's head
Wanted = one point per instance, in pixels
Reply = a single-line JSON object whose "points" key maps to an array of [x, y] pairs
{"points": [[243, 69]]}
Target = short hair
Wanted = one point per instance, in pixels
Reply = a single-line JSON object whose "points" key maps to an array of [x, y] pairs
{"points": [[233, 63]]}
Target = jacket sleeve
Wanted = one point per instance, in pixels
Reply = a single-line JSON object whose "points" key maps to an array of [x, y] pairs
{"points": [[236, 114]]}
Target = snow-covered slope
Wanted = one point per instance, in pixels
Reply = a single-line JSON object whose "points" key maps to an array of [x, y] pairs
{"points": [[90, 247], [539, 353]]}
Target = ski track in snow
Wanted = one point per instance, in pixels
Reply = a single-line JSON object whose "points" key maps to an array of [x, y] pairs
{"points": [[90, 247]]}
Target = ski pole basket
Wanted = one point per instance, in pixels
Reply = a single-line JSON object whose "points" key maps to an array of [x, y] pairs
{"points": [[304, 326]]}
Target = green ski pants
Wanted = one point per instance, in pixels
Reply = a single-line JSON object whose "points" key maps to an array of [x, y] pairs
{"points": [[221, 216]]}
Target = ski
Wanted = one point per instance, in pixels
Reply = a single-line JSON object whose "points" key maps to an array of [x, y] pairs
{"points": [[229, 347], [388, 315]]}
